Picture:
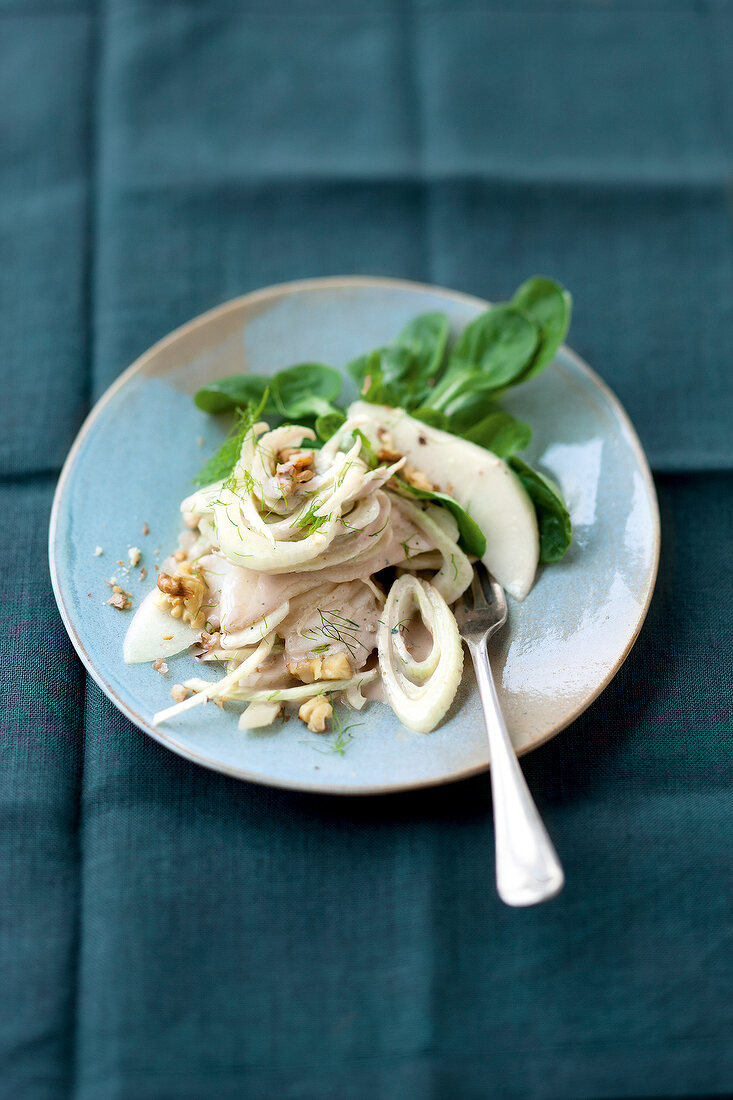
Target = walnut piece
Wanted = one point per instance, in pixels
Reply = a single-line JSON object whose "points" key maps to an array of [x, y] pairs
{"points": [[298, 457], [182, 593], [160, 666], [294, 467], [387, 451], [417, 479], [179, 692], [120, 599], [306, 671], [333, 667], [209, 641], [315, 713]]}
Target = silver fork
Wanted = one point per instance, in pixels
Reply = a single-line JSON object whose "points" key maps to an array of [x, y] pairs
{"points": [[527, 868]]}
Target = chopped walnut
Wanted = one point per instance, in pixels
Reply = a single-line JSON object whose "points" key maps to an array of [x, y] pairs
{"points": [[133, 556], [179, 555], [179, 692], [171, 586], [294, 467], [417, 479], [333, 667], [387, 451], [182, 593], [160, 666], [209, 641], [315, 713], [336, 667], [307, 671], [120, 599], [296, 455], [386, 454], [143, 573], [146, 529]]}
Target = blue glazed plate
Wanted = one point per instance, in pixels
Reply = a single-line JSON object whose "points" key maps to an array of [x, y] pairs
{"points": [[133, 462]]}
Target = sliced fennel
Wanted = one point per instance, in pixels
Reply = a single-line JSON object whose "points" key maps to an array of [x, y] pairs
{"points": [[253, 634], [219, 687], [454, 576], [258, 715], [258, 526], [299, 694], [419, 692]]}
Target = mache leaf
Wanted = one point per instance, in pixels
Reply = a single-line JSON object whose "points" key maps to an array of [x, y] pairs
{"points": [[462, 388], [553, 517], [477, 417], [499, 432], [500, 343], [221, 464], [305, 391], [236, 391], [550, 306], [434, 417], [470, 536], [425, 337], [401, 373], [373, 385], [327, 425]]}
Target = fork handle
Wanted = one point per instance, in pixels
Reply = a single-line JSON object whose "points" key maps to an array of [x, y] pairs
{"points": [[527, 868]]}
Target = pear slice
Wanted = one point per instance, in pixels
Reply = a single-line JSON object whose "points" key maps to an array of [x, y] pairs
{"points": [[481, 482], [154, 633]]}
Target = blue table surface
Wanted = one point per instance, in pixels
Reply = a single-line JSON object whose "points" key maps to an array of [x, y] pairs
{"points": [[171, 933]]}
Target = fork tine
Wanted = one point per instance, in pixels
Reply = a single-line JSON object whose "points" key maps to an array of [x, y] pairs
{"points": [[498, 594], [477, 590]]}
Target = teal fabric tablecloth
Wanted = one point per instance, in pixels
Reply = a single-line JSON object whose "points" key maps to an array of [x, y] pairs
{"points": [[169, 933]]}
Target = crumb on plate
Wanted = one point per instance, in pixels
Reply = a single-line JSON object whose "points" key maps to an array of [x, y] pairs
{"points": [[120, 599]]}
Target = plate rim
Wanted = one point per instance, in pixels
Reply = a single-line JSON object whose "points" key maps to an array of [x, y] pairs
{"points": [[277, 290]]}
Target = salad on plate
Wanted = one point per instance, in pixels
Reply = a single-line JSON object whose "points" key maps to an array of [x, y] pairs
{"points": [[324, 547]]}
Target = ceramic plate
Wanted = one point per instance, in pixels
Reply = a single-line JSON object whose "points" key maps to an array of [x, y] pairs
{"points": [[133, 462]]}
